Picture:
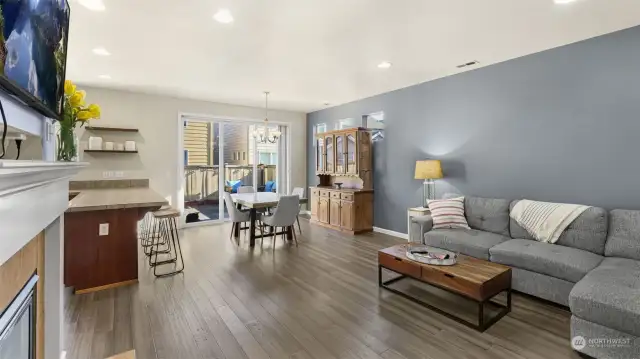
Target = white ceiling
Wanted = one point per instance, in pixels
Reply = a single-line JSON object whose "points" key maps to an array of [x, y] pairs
{"points": [[308, 52]]}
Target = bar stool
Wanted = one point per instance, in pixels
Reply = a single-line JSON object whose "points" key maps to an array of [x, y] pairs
{"points": [[169, 239], [149, 229]]}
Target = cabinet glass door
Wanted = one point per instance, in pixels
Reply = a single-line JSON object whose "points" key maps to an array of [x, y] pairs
{"points": [[351, 153], [328, 141], [340, 165], [320, 155]]}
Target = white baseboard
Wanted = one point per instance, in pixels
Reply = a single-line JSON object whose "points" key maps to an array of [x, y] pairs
{"points": [[391, 233], [305, 212]]}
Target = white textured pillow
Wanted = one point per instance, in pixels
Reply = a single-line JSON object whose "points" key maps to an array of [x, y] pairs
{"points": [[448, 213]]}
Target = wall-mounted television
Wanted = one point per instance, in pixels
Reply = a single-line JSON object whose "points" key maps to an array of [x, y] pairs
{"points": [[33, 52]]}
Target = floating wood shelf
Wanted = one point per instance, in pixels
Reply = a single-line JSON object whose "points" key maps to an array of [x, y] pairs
{"points": [[113, 129], [109, 151]]}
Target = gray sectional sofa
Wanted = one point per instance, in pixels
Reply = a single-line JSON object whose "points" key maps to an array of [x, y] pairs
{"points": [[594, 268]]}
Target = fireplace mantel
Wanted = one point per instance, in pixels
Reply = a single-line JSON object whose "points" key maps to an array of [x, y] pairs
{"points": [[33, 198], [33, 194]]}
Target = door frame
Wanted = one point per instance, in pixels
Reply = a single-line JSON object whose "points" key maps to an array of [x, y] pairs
{"points": [[180, 183]]}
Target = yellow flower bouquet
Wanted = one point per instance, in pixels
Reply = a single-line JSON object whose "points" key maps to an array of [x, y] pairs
{"points": [[75, 113]]}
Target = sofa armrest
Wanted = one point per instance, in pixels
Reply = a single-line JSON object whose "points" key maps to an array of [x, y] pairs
{"points": [[419, 226]]}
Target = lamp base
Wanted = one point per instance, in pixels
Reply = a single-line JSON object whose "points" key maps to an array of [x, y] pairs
{"points": [[429, 192]]}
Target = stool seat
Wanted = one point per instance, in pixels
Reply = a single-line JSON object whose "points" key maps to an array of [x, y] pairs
{"points": [[166, 213]]}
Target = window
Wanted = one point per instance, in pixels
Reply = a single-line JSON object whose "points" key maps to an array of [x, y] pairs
{"points": [[345, 123], [268, 158], [244, 156], [375, 122], [321, 128]]}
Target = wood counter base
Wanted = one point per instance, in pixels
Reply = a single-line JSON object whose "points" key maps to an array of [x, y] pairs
{"points": [[103, 287], [93, 262]]}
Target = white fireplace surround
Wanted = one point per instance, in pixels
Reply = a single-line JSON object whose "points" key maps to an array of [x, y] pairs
{"points": [[33, 198]]}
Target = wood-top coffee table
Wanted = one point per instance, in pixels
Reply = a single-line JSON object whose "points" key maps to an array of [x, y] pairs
{"points": [[472, 278]]}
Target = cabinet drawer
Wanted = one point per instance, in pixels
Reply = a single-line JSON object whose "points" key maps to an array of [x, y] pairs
{"points": [[315, 191], [347, 196], [451, 282], [335, 195], [403, 266], [324, 193]]}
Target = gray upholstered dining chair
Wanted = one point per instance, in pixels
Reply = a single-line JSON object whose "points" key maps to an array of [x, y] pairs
{"points": [[283, 216], [235, 215], [246, 189], [298, 191]]}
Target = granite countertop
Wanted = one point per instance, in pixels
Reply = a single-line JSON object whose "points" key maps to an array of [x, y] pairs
{"points": [[114, 198], [349, 190]]}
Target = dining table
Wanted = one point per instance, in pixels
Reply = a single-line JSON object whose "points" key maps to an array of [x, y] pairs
{"points": [[254, 202]]}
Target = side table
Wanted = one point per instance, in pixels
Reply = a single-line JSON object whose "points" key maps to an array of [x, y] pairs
{"points": [[415, 212]]}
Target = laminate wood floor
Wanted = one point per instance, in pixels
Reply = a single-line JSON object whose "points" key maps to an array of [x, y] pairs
{"points": [[320, 300]]}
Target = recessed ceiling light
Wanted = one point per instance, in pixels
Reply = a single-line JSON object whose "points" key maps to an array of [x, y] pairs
{"points": [[101, 51], [223, 16], [105, 77], [563, 1], [384, 65], [93, 5]]}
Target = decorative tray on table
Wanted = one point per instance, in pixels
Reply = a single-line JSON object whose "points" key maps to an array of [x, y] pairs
{"points": [[431, 255]]}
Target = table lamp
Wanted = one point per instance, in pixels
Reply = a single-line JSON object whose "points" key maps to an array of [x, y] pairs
{"points": [[428, 170]]}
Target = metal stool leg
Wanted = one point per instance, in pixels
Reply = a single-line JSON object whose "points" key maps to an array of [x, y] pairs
{"points": [[175, 238], [165, 233]]}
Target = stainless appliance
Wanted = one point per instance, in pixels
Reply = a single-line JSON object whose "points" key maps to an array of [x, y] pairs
{"points": [[18, 324]]}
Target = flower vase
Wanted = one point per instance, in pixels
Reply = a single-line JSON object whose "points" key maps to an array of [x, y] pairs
{"points": [[67, 144]]}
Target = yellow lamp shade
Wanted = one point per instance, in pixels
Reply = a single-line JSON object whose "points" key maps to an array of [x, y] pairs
{"points": [[428, 169]]}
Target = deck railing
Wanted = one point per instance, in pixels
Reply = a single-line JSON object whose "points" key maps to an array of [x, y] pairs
{"points": [[201, 183]]}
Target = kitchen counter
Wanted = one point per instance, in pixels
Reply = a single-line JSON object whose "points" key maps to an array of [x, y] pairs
{"points": [[114, 198], [101, 232]]}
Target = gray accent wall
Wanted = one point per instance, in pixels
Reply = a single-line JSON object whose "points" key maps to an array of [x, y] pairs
{"points": [[561, 125]]}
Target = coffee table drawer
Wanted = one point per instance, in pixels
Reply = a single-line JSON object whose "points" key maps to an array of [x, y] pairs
{"points": [[399, 265], [451, 282]]}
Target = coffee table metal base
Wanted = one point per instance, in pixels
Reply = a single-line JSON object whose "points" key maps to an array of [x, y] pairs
{"points": [[482, 323]]}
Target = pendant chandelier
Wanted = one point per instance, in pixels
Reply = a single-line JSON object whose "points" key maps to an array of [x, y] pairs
{"points": [[264, 134]]}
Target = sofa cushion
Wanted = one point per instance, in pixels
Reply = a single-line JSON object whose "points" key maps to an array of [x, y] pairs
{"points": [[487, 214], [566, 263], [609, 294], [624, 234], [588, 231], [470, 242]]}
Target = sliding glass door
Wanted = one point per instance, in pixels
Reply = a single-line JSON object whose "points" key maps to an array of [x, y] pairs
{"points": [[223, 156]]}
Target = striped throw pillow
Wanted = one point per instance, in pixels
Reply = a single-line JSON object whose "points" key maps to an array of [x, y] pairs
{"points": [[448, 213]]}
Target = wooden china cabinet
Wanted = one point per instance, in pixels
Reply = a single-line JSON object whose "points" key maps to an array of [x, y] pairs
{"points": [[343, 156]]}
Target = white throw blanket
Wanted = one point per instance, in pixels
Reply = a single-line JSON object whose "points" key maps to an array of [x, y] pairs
{"points": [[543, 220]]}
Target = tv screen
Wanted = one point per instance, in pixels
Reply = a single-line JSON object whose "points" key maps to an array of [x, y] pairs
{"points": [[33, 52]]}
